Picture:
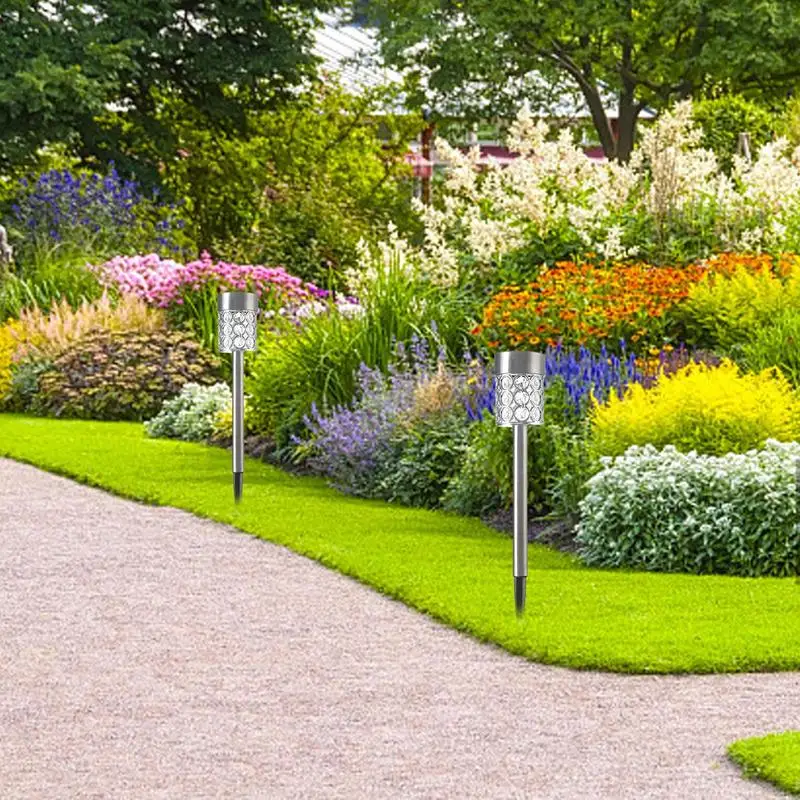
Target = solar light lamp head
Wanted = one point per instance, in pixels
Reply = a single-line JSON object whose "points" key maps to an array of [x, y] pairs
{"points": [[237, 316], [519, 388]]}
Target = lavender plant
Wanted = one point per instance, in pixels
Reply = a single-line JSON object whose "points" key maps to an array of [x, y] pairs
{"points": [[350, 445]]}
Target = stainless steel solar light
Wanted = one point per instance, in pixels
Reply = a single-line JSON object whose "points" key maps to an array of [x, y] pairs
{"points": [[238, 314], [519, 402]]}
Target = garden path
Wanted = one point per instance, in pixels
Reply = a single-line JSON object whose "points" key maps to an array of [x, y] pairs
{"points": [[149, 653]]}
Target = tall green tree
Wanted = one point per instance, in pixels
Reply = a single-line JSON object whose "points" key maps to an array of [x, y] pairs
{"points": [[65, 62], [642, 52]]}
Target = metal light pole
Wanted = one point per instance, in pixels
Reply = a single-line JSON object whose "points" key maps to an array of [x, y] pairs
{"points": [[238, 313], [519, 402]]}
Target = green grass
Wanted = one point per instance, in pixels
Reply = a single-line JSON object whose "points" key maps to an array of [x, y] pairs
{"points": [[450, 567], [774, 758]]}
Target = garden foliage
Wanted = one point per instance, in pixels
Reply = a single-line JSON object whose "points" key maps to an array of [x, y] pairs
{"points": [[669, 511], [725, 310], [319, 363], [713, 410], [671, 203], [191, 415], [111, 375]]}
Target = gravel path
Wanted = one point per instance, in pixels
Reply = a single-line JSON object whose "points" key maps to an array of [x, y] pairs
{"points": [[147, 653]]}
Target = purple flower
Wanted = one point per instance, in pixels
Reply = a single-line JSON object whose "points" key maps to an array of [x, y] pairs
{"points": [[75, 207]]}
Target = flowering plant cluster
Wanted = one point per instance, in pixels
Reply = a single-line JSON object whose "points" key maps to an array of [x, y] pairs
{"points": [[711, 409], [672, 201], [683, 512], [587, 377], [95, 212], [163, 282], [348, 444], [583, 304]]}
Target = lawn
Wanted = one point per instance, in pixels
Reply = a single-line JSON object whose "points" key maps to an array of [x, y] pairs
{"points": [[774, 758], [453, 568]]}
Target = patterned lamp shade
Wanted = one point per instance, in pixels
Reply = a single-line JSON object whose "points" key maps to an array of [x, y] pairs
{"points": [[519, 388], [238, 312]]}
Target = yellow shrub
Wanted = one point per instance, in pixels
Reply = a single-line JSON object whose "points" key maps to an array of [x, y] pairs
{"points": [[713, 410], [725, 310], [8, 346]]}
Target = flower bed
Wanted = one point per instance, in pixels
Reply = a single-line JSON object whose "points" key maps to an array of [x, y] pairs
{"points": [[584, 304], [163, 282]]}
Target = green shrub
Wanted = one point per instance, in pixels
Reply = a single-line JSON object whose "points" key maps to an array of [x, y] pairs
{"points": [[723, 119], [192, 415], [116, 376], [776, 344], [673, 512], [713, 410], [485, 482], [25, 384], [46, 281], [573, 465], [725, 311], [424, 456], [317, 363]]}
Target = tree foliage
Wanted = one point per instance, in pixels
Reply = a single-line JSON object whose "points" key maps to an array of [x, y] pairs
{"points": [[724, 119], [643, 52], [300, 186], [63, 62]]}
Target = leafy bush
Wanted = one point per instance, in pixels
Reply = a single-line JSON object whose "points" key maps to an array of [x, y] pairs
{"points": [[192, 414], [111, 375], [776, 344], [44, 334], [573, 465], [712, 410], [426, 453], [318, 364], [584, 304], [668, 511], [484, 482], [723, 119], [726, 310], [302, 186]]}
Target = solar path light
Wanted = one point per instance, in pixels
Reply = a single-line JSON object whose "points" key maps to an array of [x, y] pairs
{"points": [[238, 312], [519, 402]]}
